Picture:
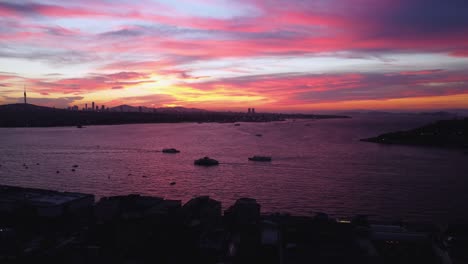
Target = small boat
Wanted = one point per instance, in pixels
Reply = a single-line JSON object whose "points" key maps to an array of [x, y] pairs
{"points": [[206, 162], [237, 124], [260, 158], [79, 126], [258, 135], [170, 150]]}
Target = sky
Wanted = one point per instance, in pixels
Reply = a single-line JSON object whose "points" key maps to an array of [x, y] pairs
{"points": [[274, 55]]}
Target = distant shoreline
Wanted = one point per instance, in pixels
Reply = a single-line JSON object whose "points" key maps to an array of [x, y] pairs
{"points": [[444, 133], [26, 115]]}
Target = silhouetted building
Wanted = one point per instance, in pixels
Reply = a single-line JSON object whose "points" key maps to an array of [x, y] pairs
{"points": [[92, 107], [86, 107], [202, 210], [103, 108], [42, 226], [133, 206], [253, 110], [244, 211], [249, 111]]}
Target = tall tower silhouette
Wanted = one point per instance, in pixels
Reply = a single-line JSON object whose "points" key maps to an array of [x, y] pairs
{"points": [[25, 101]]}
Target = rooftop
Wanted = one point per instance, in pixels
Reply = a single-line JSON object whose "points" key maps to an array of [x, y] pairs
{"points": [[37, 197]]}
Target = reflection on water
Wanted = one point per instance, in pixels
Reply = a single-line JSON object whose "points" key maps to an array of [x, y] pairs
{"points": [[317, 165]]}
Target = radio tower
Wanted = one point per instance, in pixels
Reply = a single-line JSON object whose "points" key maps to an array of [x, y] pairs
{"points": [[25, 101]]}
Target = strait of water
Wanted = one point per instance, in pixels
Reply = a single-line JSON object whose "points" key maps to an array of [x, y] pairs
{"points": [[317, 165]]}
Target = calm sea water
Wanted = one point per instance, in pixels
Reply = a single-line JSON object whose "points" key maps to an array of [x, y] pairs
{"points": [[317, 165]]}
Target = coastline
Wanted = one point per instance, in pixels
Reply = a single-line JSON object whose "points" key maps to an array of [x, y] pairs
{"points": [[444, 134], [34, 116]]}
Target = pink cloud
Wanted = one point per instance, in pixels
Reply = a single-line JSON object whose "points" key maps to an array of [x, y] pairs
{"points": [[314, 88], [7, 76], [20, 9], [460, 53], [422, 72], [328, 27], [160, 40], [90, 83]]}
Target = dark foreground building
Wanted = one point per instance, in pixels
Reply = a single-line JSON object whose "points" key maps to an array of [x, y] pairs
{"points": [[44, 202], [40, 226]]}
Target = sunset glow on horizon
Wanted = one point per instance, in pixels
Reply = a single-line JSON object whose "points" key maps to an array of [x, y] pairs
{"points": [[285, 55]]}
